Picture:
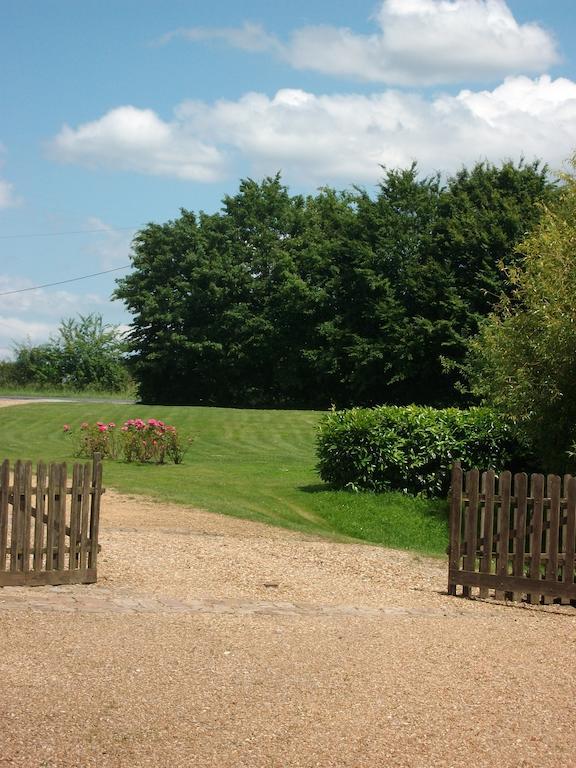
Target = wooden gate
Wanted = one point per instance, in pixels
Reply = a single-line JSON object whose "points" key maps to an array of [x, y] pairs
{"points": [[515, 536], [48, 530]]}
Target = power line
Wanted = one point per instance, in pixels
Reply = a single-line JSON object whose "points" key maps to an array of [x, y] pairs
{"points": [[70, 232], [61, 282]]}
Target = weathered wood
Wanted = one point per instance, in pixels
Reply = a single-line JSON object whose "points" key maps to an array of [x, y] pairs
{"points": [[38, 579], [54, 558], [471, 523], [51, 519], [16, 536], [455, 522], [26, 507], [95, 509], [570, 532], [504, 487], [553, 492], [4, 510], [488, 482], [61, 517], [85, 515], [521, 493], [75, 506], [537, 492], [38, 513], [511, 583]]}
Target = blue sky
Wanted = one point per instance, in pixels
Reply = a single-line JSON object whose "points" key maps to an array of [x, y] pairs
{"points": [[118, 113]]}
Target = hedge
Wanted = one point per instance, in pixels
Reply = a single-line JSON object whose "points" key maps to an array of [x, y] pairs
{"points": [[411, 448]]}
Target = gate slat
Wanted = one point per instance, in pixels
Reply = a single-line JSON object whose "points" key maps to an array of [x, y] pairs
{"points": [[51, 521], [15, 540], [537, 492], [95, 510], [27, 516], [570, 530], [455, 524], [471, 523], [504, 482], [488, 530], [521, 493], [40, 512], [75, 504], [4, 507], [61, 517], [553, 534], [85, 516]]}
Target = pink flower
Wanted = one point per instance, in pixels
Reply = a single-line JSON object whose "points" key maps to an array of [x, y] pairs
{"points": [[66, 427], [84, 425], [102, 428], [111, 425]]}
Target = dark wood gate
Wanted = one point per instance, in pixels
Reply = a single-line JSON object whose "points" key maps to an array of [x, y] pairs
{"points": [[48, 526], [513, 536]]}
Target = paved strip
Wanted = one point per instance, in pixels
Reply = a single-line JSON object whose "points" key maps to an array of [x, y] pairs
{"points": [[102, 600]]}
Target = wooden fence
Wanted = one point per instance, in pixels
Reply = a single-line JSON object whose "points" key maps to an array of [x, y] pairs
{"points": [[48, 529], [515, 536]]}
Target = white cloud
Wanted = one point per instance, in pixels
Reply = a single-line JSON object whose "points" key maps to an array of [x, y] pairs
{"points": [[43, 302], [15, 330], [132, 139], [8, 198], [345, 138], [419, 42], [249, 37]]}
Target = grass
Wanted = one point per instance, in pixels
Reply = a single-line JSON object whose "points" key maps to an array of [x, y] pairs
{"points": [[33, 390], [251, 464]]}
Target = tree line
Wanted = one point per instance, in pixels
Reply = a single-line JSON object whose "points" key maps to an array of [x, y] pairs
{"points": [[341, 297]]}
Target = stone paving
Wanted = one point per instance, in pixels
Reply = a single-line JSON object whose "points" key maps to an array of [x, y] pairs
{"points": [[96, 599]]}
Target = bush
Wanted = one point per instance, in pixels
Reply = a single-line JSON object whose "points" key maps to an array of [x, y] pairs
{"points": [[411, 448], [137, 441]]}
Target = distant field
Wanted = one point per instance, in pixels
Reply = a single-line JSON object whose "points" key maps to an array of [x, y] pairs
{"points": [[247, 463]]}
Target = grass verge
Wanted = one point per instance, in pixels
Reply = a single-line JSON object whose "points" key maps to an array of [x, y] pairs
{"points": [[252, 464]]}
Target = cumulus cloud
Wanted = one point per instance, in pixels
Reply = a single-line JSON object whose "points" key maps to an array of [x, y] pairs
{"points": [[132, 139], [335, 138], [418, 42]]}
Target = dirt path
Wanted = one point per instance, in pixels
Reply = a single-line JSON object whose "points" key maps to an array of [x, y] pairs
{"points": [[220, 643]]}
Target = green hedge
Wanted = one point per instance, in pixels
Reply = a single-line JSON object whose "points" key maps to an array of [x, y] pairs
{"points": [[411, 448]]}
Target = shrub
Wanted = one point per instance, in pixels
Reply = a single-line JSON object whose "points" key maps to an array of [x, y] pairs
{"points": [[137, 441], [411, 448]]}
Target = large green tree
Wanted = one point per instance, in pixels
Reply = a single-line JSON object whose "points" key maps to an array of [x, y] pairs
{"points": [[338, 297]]}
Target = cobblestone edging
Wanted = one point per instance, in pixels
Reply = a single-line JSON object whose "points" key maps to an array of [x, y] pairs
{"points": [[105, 600]]}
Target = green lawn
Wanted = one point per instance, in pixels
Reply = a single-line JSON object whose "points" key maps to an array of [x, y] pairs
{"points": [[253, 464]]}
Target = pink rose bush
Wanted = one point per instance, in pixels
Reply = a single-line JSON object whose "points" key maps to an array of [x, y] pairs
{"points": [[136, 441]]}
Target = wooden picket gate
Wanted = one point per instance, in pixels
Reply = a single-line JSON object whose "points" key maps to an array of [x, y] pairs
{"points": [[516, 538], [43, 538]]}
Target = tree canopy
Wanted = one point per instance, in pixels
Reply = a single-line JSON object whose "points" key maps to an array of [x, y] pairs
{"points": [[339, 297]]}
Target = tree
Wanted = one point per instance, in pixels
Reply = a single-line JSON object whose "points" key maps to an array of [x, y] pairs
{"points": [[283, 300], [524, 359], [86, 353]]}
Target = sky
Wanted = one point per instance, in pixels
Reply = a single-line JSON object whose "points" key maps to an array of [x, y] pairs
{"points": [[116, 113]]}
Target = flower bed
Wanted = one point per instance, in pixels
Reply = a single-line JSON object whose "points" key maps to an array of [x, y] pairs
{"points": [[136, 441]]}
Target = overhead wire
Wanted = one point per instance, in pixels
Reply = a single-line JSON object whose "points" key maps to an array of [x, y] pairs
{"points": [[62, 282]]}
